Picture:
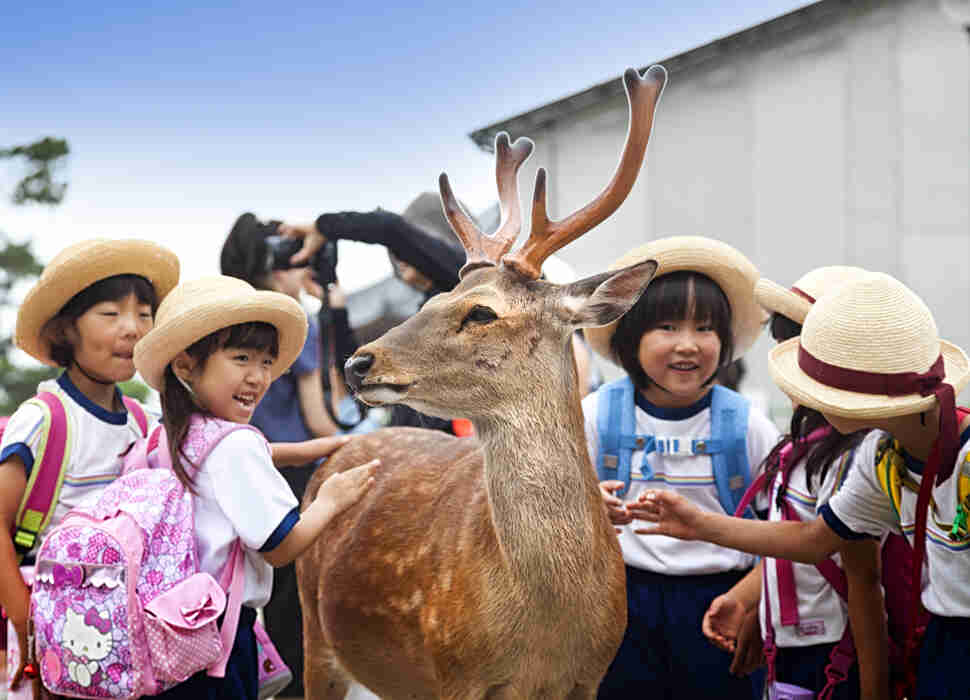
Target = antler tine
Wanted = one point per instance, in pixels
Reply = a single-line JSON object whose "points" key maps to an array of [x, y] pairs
{"points": [[481, 249], [547, 236]]}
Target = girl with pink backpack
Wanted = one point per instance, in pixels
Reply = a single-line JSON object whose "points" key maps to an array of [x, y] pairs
{"points": [[89, 307], [216, 347]]}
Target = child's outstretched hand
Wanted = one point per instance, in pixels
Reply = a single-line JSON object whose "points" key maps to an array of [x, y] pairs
{"points": [[294, 454], [673, 514], [342, 490], [615, 507], [722, 621]]}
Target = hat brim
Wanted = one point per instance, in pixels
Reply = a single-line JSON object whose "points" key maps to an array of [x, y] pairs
{"points": [[732, 272], [157, 349], [776, 299], [91, 262], [791, 379]]}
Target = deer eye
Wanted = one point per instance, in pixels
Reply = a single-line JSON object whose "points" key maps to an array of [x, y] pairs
{"points": [[479, 314]]}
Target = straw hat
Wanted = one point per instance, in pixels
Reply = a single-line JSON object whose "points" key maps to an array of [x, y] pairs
{"points": [[79, 266], [195, 309], [795, 303], [873, 325], [732, 271]]}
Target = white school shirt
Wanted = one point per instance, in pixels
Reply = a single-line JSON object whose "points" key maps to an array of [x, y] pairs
{"points": [[692, 476], [98, 438], [822, 614], [862, 508], [240, 493]]}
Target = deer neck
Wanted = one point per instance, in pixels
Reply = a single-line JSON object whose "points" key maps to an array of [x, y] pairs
{"points": [[542, 490]]}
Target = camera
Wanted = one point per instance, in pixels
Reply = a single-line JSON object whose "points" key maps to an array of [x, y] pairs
{"points": [[280, 249]]}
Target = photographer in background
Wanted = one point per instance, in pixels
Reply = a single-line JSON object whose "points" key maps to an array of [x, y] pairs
{"points": [[424, 254], [293, 408]]}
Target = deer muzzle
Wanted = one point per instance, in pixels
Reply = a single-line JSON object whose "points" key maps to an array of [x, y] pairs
{"points": [[356, 369]]}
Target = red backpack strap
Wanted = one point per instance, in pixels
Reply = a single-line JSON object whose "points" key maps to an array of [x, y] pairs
{"points": [[135, 409], [47, 475], [750, 494]]}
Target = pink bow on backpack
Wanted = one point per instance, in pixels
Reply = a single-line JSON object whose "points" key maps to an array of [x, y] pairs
{"points": [[67, 575], [93, 618]]}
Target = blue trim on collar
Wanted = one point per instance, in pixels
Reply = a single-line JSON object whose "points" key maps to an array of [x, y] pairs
{"points": [[916, 466], [965, 437], [112, 417], [672, 412]]}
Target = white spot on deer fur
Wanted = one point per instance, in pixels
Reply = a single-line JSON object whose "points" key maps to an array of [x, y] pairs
{"points": [[446, 581]]}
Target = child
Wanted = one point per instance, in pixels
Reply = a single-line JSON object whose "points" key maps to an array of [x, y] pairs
{"points": [[869, 356], [216, 348], [92, 303], [803, 617], [698, 315]]}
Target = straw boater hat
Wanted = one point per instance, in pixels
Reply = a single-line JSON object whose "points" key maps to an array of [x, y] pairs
{"points": [[79, 266], [795, 303], [732, 271], [873, 326], [195, 309]]}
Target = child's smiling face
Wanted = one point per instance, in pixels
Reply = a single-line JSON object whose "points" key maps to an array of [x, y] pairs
{"points": [[679, 356], [232, 381], [104, 337]]}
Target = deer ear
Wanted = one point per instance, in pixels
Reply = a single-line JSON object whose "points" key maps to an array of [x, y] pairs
{"points": [[601, 299]]}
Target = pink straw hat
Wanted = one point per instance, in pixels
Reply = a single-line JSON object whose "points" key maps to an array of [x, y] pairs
{"points": [[195, 309], [732, 271], [795, 303], [75, 269]]}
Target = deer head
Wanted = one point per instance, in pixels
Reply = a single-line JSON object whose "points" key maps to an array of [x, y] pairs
{"points": [[500, 336]]}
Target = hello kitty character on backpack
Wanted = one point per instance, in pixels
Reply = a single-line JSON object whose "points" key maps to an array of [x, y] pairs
{"points": [[119, 606]]}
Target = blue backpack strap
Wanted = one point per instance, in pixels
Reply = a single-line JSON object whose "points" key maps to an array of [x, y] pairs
{"points": [[616, 424], [729, 427]]}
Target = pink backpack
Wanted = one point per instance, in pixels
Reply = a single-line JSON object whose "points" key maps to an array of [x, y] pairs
{"points": [[119, 606]]}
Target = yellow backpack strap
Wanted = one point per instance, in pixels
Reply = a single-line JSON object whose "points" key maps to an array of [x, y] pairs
{"points": [[44, 484], [889, 473]]}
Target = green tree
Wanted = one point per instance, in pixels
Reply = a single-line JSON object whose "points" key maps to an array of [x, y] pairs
{"points": [[17, 262]]}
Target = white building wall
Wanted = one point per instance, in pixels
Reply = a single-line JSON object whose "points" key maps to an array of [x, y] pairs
{"points": [[848, 144]]}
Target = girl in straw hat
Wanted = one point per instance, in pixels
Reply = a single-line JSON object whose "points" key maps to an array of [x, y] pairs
{"points": [[664, 424], [803, 617], [216, 347], [89, 307], [869, 356]]}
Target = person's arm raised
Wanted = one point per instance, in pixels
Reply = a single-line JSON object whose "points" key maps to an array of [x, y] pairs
{"points": [[675, 516]]}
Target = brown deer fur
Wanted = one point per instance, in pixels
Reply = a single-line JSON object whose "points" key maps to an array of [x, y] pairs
{"points": [[474, 568]]}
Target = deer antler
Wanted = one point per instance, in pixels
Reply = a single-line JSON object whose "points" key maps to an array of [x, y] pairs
{"points": [[481, 249], [548, 236]]}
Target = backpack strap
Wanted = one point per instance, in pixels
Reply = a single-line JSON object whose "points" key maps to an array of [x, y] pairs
{"points": [[616, 424], [729, 426], [231, 580], [136, 410], [47, 475]]}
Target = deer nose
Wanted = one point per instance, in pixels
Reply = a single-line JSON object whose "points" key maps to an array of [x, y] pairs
{"points": [[356, 368]]}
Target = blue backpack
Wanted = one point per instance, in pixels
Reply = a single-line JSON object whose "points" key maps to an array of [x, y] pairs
{"points": [[727, 446]]}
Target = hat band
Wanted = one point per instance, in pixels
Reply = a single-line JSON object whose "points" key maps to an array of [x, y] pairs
{"points": [[803, 295], [897, 384]]}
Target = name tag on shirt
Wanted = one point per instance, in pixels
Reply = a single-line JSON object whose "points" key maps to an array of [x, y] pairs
{"points": [[811, 628]]}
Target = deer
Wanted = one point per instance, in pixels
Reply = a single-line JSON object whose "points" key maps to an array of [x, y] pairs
{"points": [[481, 567]]}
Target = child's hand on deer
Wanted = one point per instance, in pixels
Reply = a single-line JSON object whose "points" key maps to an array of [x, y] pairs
{"points": [[342, 490], [615, 507], [673, 514]]}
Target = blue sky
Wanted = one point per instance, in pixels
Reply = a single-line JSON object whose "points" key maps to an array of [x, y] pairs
{"points": [[181, 117]]}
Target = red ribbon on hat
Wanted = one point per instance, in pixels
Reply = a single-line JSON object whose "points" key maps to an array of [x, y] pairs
{"points": [[804, 295], [944, 451]]}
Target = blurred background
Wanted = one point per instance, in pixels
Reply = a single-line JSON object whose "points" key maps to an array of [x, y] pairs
{"points": [[803, 134]]}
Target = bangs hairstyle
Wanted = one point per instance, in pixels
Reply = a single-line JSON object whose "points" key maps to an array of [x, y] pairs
{"points": [[110, 289], [679, 296], [177, 403]]}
